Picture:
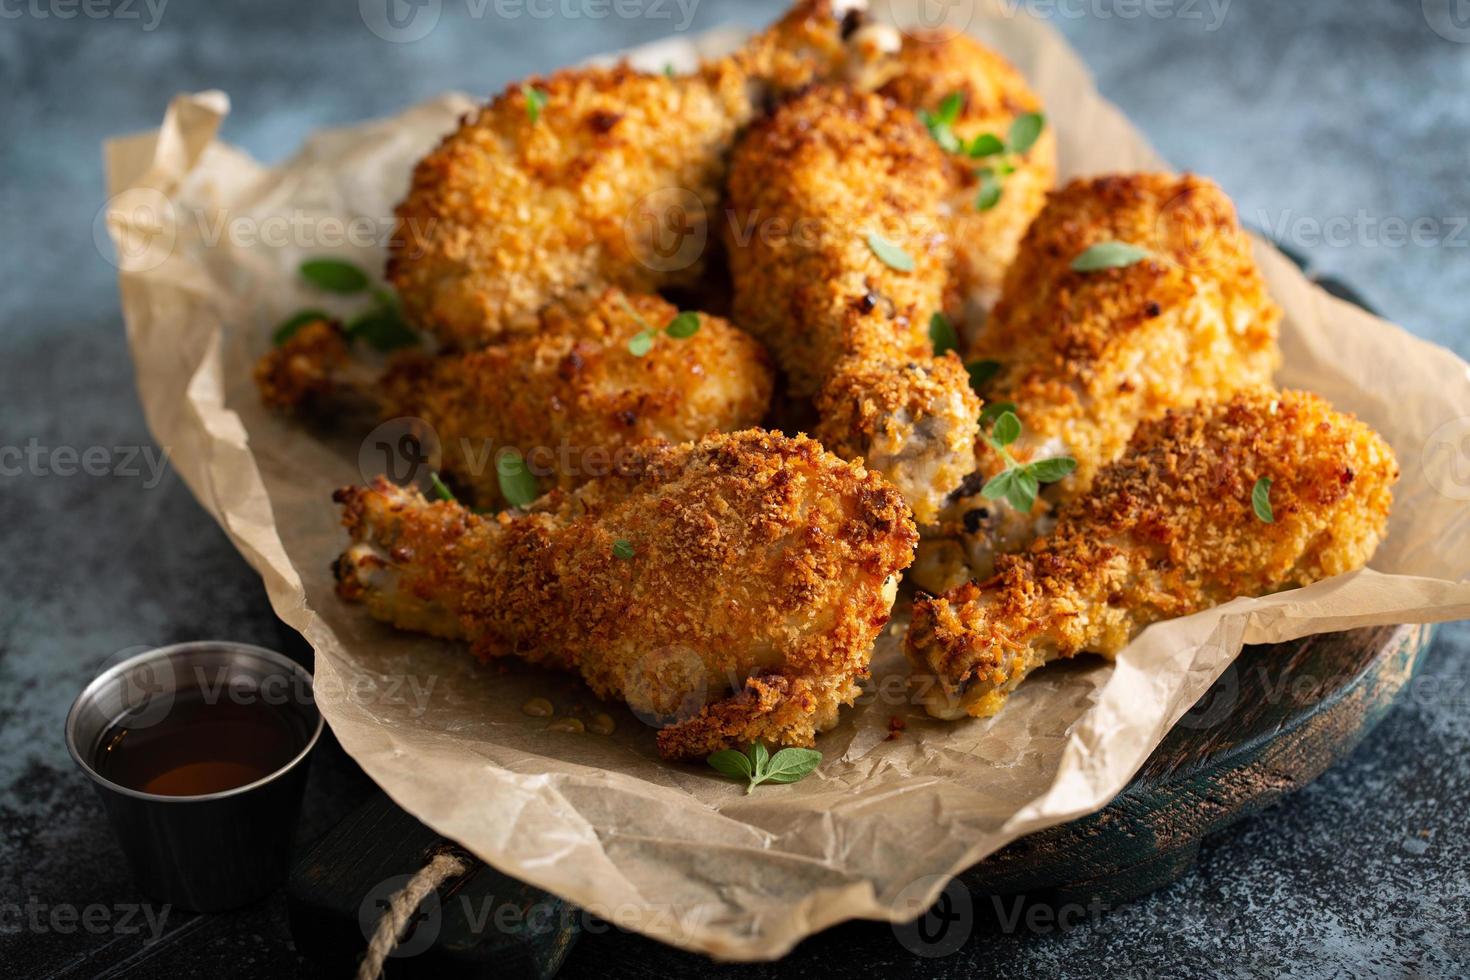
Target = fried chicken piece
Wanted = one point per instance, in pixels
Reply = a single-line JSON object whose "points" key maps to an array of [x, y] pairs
{"points": [[307, 369], [729, 590], [1166, 531], [1085, 356], [587, 177], [839, 259], [932, 67], [571, 398]]}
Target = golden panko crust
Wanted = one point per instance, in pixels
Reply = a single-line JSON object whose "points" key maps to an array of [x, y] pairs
{"points": [[757, 570], [573, 398], [931, 67], [839, 261], [302, 371], [808, 186], [1086, 356], [611, 181], [1167, 530]]}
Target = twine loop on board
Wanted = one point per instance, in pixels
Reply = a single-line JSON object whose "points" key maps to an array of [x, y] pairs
{"points": [[401, 907]]}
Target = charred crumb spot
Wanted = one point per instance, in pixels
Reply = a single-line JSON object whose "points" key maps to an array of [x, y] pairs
{"points": [[1347, 475], [401, 554], [867, 304], [975, 518], [570, 365], [1152, 310], [851, 21], [627, 417], [969, 486], [601, 121]]}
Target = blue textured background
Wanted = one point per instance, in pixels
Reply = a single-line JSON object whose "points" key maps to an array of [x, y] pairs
{"points": [[1346, 115]]}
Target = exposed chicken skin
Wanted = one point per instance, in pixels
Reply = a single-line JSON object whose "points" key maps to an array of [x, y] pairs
{"points": [[730, 590], [1085, 356], [1167, 530], [611, 181], [810, 188], [572, 398], [930, 67]]}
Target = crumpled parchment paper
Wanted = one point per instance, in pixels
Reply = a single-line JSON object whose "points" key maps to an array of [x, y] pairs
{"points": [[208, 242]]}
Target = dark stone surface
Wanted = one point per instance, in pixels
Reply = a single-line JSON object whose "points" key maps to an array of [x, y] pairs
{"points": [[1349, 117]]}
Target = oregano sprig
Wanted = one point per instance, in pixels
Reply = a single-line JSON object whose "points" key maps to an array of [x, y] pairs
{"points": [[381, 326], [1019, 483], [681, 327], [1004, 154], [756, 765]]}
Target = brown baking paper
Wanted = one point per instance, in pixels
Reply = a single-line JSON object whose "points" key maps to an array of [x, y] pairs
{"points": [[674, 851]]}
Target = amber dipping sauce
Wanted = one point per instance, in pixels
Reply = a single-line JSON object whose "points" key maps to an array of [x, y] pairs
{"points": [[204, 745]]}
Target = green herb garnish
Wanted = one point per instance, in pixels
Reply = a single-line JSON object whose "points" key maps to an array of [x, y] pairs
{"points": [[440, 490], [288, 329], [1108, 255], [1025, 130], [756, 765], [1019, 483], [981, 372], [669, 69], [517, 485], [890, 254], [995, 410], [382, 326], [681, 327], [641, 343], [623, 549], [942, 335], [535, 102], [334, 275], [1261, 500], [940, 123]]}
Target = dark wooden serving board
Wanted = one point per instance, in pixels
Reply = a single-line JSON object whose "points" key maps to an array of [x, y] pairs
{"points": [[1278, 717]]}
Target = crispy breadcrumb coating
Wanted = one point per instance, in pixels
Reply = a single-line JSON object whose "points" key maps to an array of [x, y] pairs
{"points": [[305, 370], [817, 191], [1167, 530], [571, 398], [612, 180], [932, 66], [757, 572], [1085, 356]]}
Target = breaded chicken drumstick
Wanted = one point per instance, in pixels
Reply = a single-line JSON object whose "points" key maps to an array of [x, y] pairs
{"points": [[1168, 530], [730, 588], [1084, 356], [591, 176], [987, 96], [571, 399], [839, 259]]}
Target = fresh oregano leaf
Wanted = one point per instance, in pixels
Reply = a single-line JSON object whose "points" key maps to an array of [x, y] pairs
{"points": [[1052, 470], [288, 329], [1007, 429], [1108, 255], [440, 490], [789, 765], [1025, 131], [517, 485], [334, 275], [942, 335], [890, 254], [1261, 500], [683, 326]]}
